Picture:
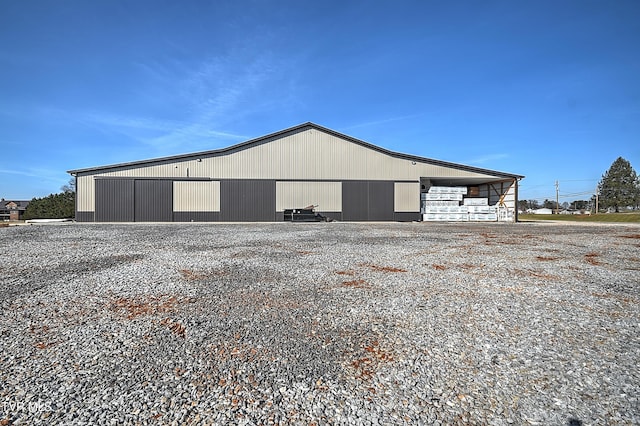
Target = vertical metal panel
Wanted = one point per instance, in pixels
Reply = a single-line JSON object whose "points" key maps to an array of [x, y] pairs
{"points": [[407, 216], [114, 200], [248, 200], [406, 196], [153, 201], [381, 200], [355, 200], [84, 216], [326, 195], [85, 200], [196, 196]]}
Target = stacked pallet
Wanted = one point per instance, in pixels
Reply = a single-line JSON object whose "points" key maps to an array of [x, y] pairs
{"points": [[442, 203], [449, 204]]}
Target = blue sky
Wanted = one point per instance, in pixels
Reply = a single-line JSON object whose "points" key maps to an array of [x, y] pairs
{"points": [[546, 89]]}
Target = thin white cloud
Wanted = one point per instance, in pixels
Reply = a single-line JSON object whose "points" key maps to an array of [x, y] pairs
{"points": [[382, 121], [48, 175], [486, 159], [221, 90]]}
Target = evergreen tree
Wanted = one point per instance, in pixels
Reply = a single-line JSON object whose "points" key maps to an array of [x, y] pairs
{"points": [[55, 206], [619, 186]]}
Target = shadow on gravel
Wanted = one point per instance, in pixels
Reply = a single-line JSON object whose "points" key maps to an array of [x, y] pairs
{"points": [[574, 422], [29, 281]]}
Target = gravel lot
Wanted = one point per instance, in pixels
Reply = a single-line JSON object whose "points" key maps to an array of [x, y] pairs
{"points": [[327, 323]]}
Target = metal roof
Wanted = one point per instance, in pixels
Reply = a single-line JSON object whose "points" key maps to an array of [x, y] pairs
{"points": [[305, 126]]}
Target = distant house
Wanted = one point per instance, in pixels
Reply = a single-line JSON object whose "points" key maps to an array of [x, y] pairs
{"points": [[12, 210], [542, 211]]}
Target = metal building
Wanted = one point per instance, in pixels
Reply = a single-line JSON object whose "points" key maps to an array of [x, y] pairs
{"points": [[348, 179]]}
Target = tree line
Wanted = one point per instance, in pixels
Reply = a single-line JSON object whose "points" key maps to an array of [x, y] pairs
{"points": [[618, 189], [54, 206]]}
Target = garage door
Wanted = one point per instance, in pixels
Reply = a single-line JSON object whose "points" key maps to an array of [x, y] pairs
{"points": [[367, 200]]}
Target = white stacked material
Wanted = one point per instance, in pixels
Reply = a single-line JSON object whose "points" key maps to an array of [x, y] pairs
{"points": [[481, 209], [448, 190], [483, 217], [442, 203], [441, 196], [476, 202], [439, 203], [446, 209], [445, 217]]}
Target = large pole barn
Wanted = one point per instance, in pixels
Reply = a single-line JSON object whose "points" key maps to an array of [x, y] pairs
{"points": [[345, 178]]}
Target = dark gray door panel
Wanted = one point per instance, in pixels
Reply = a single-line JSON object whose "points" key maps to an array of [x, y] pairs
{"points": [[114, 200]]}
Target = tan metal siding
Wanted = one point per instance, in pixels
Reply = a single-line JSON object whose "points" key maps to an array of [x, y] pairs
{"points": [[326, 195], [406, 196], [310, 154], [86, 194], [194, 196], [307, 155]]}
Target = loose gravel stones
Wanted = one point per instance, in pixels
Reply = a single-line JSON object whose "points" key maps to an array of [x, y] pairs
{"points": [[330, 323]]}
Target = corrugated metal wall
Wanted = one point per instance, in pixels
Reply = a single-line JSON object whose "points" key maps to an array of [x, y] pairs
{"points": [[248, 200], [326, 195], [368, 200], [304, 157], [196, 196], [406, 196], [85, 193], [115, 200], [153, 200]]}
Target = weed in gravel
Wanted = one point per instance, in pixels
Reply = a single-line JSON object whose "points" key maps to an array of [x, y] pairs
{"points": [[382, 268], [356, 284], [631, 236], [175, 327], [546, 258], [366, 366], [190, 275], [536, 274], [44, 345], [468, 266], [591, 258], [148, 306]]}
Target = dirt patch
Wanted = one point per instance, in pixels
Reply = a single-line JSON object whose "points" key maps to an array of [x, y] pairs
{"points": [[383, 268], [546, 258], [174, 326], [145, 305], [592, 259], [356, 284]]}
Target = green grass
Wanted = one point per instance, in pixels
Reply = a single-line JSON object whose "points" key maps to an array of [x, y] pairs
{"points": [[600, 217]]}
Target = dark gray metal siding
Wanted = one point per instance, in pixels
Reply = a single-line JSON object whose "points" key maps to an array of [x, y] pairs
{"points": [[248, 200], [84, 216], [114, 200], [381, 205], [153, 200], [355, 200], [367, 200], [408, 217]]}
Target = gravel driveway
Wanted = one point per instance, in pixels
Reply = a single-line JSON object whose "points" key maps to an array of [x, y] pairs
{"points": [[326, 323]]}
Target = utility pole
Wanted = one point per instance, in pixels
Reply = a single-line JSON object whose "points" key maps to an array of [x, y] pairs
{"points": [[557, 198], [597, 194]]}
